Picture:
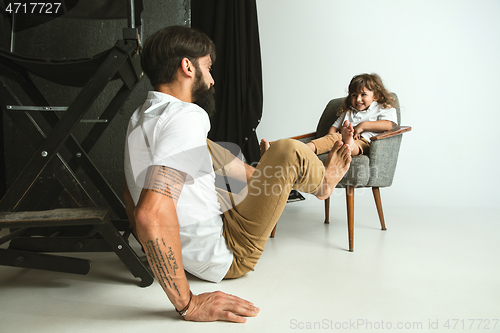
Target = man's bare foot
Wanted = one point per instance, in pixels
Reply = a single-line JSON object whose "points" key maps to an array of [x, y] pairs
{"points": [[264, 146], [347, 132], [336, 166]]}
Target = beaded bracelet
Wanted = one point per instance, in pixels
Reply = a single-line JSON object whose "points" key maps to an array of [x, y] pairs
{"points": [[184, 311]]}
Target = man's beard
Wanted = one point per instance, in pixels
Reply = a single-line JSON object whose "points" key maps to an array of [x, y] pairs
{"points": [[203, 96]]}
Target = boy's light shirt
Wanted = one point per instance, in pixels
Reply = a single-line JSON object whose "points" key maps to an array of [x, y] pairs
{"points": [[373, 113]]}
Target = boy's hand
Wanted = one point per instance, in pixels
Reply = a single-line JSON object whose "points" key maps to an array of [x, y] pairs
{"points": [[357, 131]]}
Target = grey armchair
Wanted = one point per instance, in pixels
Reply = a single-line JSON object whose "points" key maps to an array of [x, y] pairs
{"points": [[375, 170]]}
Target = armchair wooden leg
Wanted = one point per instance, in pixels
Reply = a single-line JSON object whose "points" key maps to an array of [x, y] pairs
{"points": [[378, 203], [349, 190], [274, 230], [327, 210]]}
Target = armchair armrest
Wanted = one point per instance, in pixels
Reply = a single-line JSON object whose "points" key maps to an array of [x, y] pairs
{"points": [[384, 156], [302, 137], [395, 131], [387, 134]]}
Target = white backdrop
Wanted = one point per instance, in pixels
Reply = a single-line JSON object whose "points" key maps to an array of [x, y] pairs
{"points": [[442, 58]]}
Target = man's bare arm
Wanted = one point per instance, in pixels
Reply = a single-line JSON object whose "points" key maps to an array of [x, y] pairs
{"points": [[158, 231], [239, 170], [227, 165]]}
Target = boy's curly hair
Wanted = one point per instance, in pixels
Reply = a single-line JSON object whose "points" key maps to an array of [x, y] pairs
{"points": [[371, 82]]}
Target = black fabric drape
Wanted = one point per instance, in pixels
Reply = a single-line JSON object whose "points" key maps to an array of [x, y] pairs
{"points": [[237, 72]]}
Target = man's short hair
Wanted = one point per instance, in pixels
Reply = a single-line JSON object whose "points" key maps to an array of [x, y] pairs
{"points": [[163, 51]]}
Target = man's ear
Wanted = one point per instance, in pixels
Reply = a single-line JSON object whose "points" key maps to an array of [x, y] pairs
{"points": [[187, 67]]}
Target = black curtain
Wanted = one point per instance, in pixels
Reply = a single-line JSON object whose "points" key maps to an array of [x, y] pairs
{"points": [[237, 72]]}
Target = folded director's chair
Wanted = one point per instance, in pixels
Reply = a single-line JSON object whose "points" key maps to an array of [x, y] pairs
{"points": [[26, 206]]}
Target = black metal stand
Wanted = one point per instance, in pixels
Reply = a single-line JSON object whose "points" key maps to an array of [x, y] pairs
{"points": [[28, 192]]}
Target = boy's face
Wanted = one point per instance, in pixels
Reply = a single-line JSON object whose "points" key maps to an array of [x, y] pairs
{"points": [[362, 100]]}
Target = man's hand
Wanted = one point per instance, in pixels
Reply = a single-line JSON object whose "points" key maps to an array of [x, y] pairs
{"points": [[220, 306]]}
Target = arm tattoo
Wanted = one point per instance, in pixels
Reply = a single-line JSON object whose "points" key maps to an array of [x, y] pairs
{"points": [[149, 179], [172, 262], [160, 262], [165, 181]]}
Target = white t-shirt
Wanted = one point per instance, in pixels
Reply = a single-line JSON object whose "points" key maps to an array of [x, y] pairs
{"points": [[373, 113], [166, 131]]}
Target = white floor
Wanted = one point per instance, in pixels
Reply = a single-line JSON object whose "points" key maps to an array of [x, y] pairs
{"points": [[433, 270]]}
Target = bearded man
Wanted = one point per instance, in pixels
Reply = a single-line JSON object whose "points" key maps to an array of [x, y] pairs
{"points": [[183, 222]]}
